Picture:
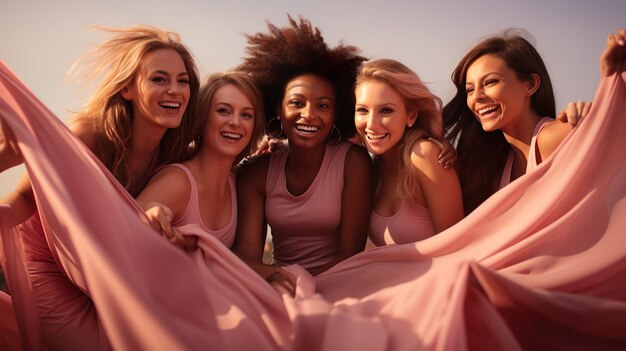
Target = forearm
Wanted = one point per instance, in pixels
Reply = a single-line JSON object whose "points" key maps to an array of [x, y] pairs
{"points": [[23, 205], [264, 270]]}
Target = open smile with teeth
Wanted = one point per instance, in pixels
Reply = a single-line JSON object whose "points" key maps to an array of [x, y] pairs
{"points": [[484, 112], [376, 136], [307, 128], [234, 136], [170, 104]]}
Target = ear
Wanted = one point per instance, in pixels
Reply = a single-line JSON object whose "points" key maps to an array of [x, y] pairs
{"points": [[533, 84], [126, 93], [412, 118]]}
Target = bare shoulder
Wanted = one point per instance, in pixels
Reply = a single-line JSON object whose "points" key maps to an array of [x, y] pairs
{"points": [[254, 170], [551, 136], [170, 178], [83, 129], [425, 152], [358, 154]]}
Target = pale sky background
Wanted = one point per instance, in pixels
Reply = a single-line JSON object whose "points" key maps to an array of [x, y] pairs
{"points": [[39, 40]]}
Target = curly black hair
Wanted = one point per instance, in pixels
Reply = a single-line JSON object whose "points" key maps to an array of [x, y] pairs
{"points": [[277, 57]]}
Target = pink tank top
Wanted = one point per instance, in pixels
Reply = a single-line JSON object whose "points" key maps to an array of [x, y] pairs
{"points": [[305, 228], [411, 223], [191, 215], [532, 154]]}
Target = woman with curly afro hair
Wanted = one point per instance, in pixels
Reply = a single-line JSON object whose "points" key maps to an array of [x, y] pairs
{"points": [[315, 195]]}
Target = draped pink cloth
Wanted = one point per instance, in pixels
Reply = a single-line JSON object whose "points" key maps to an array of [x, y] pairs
{"points": [[540, 265], [143, 293]]}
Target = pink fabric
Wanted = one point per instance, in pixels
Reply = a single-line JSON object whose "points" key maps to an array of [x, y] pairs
{"points": [[146, 294], [411, 223], [531, 163], [192, 213], [540, 265], [305, 228]]}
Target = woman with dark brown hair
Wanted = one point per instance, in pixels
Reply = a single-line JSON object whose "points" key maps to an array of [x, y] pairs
{"points": [[502, 115]]}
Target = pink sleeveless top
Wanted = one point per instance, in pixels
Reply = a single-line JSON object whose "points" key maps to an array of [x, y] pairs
{"points": [[411, 223], [305, 228], [532, 154], [191, 215]]}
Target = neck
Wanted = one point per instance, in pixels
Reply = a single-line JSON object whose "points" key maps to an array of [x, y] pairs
{"points": [[144, 141], [520, 134], [390, 160], [212, 170], [305, 159]]}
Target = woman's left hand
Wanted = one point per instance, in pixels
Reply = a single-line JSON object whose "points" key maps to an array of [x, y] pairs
{"points": [[613, 57], [574, 112], [447, 156]]}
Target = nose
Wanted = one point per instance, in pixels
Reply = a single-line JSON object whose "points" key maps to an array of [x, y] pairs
{"points": [[235, 121], [372, 121], [173, 89], [306, 111], [479, 94]]}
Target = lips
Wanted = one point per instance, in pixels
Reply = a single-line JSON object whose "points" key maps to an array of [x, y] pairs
{"points": [[306, 128], [173, 105], [231, 135], [488, 111], [375, 136]]}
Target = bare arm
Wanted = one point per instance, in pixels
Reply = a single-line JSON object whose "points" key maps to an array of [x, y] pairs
{"points": [[22, 199], [356, 202], [165, 199], [250, 238], [440, 187]]}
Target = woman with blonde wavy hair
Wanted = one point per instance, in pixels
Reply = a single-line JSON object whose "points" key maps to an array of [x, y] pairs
{"points": [[139, 117], [399, 121]]}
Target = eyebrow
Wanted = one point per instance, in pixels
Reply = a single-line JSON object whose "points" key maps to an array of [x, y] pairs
{"points": [[160, 71], [302, 95], [229, 105]]}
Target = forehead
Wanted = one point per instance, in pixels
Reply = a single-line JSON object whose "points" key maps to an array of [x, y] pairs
{"points": [[163, 59], [373, 90], [310, 83], [487, 64], [230, 94]]}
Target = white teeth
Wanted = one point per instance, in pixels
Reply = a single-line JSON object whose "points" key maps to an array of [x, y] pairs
{"points": [[307, 128], [487, 109], [376, 136], [231, 135], [170, 104]]}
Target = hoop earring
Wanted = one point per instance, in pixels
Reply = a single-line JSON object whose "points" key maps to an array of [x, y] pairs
{"points": [[269, 130], [335, 135]]}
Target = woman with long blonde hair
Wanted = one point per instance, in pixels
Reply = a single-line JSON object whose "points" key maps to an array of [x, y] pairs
{"points": [[399, 121], [140, 116]]}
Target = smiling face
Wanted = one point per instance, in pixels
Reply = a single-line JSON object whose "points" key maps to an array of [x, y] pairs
{"points": [[307, 110], [160, 92], [495, 95], [230, 123], [380, 116]]}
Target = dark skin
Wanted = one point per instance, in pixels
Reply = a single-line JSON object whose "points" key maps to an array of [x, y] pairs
{"points": [[304, 103]]}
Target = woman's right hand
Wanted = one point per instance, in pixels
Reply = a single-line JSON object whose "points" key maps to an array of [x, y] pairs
{"points": [[282, 281], [160, 219], [10, 155]]}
